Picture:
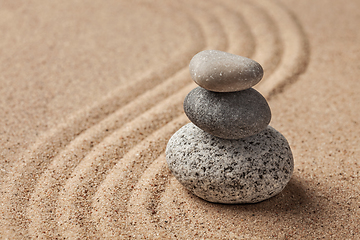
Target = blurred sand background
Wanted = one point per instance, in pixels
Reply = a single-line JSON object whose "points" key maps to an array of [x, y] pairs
{"points": [[90, 93]]}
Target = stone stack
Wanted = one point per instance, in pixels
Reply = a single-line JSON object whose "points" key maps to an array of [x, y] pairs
{"points": [[229, 153]]}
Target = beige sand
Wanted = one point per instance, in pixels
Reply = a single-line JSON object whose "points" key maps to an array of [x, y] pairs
{"points": [[91, 92]]}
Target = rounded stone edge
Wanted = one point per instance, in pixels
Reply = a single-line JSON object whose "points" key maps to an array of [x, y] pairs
{"points": [[169, 148], [219, 85], [224, 133]]}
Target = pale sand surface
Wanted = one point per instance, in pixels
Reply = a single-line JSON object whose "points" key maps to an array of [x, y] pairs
{"points": [[91, 92]]}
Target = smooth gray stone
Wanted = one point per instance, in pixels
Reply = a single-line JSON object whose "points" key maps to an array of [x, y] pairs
{"points": [[224, 72], [247, 170], [232, 115]]}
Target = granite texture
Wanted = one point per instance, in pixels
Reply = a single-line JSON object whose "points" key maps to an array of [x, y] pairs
{"points": [[232, 115], [247, 170], [224, 72]]}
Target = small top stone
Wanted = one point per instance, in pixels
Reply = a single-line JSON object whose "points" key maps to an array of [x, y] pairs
{"points": [[219, 71]]}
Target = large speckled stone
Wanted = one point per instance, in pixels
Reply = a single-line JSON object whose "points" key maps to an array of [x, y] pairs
{"points": [[247, 170], [224, 72], [232, 115]]}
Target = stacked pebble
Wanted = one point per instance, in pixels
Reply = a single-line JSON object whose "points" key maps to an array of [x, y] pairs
{"points": [[229, 153]]}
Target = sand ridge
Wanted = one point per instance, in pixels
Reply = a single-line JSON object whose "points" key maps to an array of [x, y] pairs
{"points": [[102, 172]]}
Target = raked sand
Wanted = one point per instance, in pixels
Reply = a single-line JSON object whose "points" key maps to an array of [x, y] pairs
{"points": [[90, 93]]}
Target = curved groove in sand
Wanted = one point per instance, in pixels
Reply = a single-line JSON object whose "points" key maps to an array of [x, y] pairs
{"points": [[36, 160], [241, 41], [71, 173], [265, 32], [143, 204], [43, 200], [75, 198], [109, 206], [295, 50]]}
